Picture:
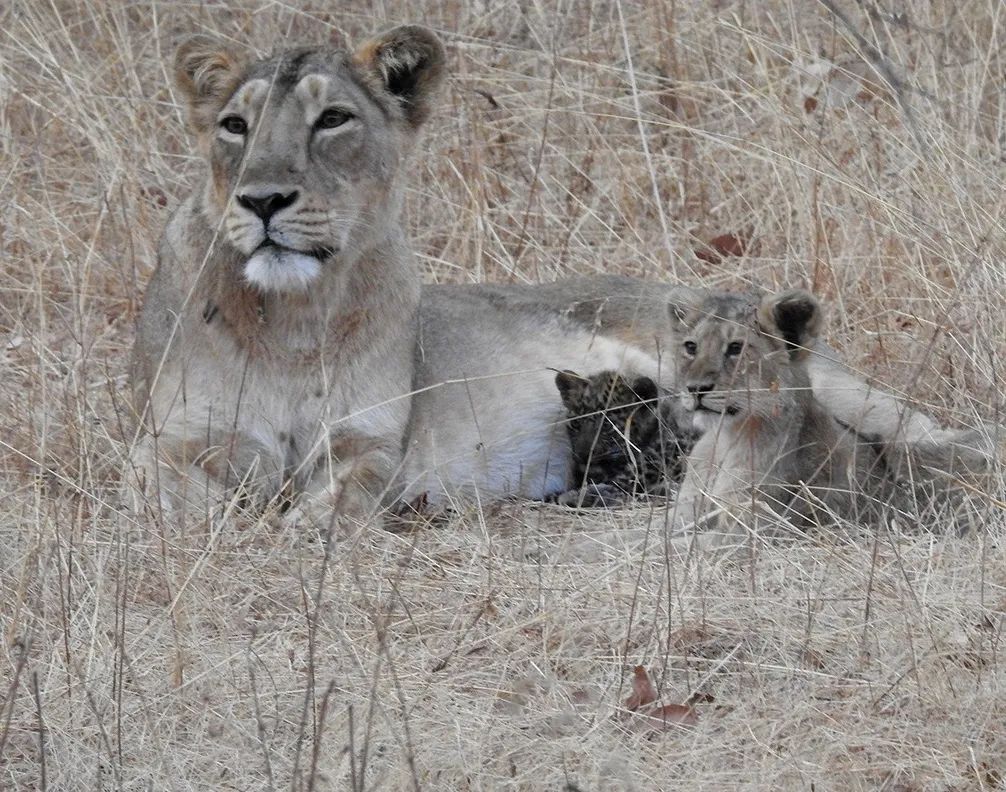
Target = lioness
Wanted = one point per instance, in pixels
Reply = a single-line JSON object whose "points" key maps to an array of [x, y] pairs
{"points": [[277, 335], [285, 345]]}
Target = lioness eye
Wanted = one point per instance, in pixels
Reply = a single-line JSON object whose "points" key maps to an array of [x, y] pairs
{"points": [[332, 118], [734, 348], [236, 125], [691, 348]]}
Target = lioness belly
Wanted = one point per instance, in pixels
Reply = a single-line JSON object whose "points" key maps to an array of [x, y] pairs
{"points": [[494, 426], [487, 420]]}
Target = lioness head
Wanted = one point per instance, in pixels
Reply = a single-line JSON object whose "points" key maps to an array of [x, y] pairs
{"points": [[741, 357], [305, 147]]}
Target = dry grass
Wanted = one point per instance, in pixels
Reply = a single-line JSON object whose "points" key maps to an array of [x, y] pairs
{"points": [[861, 158]]}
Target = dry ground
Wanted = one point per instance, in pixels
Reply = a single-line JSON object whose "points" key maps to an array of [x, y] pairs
{"points": [[861, 154]]}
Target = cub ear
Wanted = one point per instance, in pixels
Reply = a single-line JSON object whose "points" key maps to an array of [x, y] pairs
{"points": [[645, 389], [793, 316], [571, 386], [409, 63], [207, 72], [684, 302]]}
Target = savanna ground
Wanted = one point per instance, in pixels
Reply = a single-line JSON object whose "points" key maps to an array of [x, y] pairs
{"points": [[857, 148]]}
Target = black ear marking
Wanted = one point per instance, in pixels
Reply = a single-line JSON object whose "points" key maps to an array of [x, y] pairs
{"points": [[410, 63], [792, 318], [402, 81], [795, 317]]}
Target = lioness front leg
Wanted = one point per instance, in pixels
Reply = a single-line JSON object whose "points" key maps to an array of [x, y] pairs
{"points": [[175, 474], [346, 485]]}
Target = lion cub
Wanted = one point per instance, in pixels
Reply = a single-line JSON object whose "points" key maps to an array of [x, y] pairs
{"points": [[765, 438], [625, 437]]}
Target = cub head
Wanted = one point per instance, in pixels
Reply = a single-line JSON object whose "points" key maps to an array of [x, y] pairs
{"points": [[306, 148], [742, 357], [611, 420]]}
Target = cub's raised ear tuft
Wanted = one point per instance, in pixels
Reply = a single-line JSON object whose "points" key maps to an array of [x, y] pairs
{"points": [[207, 72], [410, 64], [571, 386], [794, 316]]}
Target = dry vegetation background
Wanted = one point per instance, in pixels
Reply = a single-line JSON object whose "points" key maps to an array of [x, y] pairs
{"points": [[861, 154]]}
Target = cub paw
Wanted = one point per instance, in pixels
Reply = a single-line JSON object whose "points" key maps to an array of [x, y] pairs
{"points": [[593, 496]]}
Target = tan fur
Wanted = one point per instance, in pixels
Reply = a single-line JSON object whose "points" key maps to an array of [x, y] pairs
{"points": [[768, 441], [206, 72], [238, 382], [300, 357], [486, 420]]}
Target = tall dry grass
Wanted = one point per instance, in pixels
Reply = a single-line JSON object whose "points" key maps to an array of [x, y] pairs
{"points": [[857, 148]]}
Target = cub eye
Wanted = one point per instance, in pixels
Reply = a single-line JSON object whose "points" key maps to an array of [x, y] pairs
{"points": [[691, 348], [236, 125], [734, 348], [332, 118]]}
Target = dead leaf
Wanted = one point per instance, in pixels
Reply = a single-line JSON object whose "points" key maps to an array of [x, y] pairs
{"points": [[646, 714], [724, 245], [668, 715], [643, 691]]}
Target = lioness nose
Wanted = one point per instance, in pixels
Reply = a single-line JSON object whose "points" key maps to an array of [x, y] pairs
{"points": [[265, 206]]}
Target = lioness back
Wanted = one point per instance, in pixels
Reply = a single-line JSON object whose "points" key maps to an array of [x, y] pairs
{"points": [[487, 419]]}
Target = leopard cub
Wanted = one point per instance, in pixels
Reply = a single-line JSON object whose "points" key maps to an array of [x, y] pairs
{"points": [[625, 437]]}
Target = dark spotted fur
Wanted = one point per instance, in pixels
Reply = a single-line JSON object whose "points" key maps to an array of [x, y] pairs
{"points": [[625, 438]]}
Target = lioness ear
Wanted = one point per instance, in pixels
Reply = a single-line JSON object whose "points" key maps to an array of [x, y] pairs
{"points": [[571, 386], [409, 62], [207, 74], [794, 316]]}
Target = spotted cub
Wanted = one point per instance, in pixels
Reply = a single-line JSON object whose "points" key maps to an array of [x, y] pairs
{"points": [[625, 438]]}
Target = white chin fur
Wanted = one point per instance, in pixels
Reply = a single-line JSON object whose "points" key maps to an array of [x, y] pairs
{"points": [[276, 269], [705, 421]]}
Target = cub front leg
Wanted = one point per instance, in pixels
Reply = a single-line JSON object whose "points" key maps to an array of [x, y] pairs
{"points": [[347, 484]]}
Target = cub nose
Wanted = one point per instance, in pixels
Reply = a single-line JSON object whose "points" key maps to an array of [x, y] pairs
{"points": [[265, 206], [697, 389]]}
